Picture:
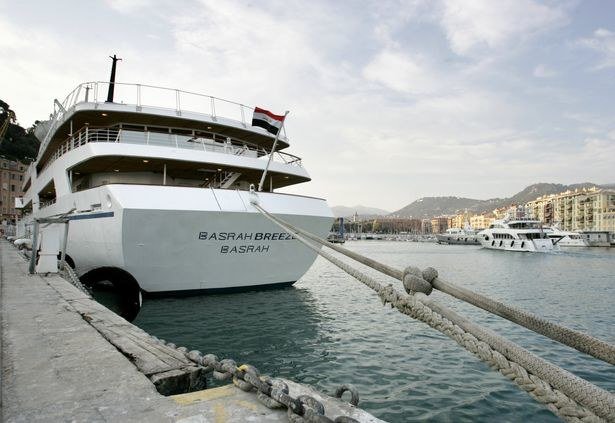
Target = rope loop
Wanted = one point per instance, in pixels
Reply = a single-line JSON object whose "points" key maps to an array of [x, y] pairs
{"points": [[430, 274], [414, 282], [354, 393]]}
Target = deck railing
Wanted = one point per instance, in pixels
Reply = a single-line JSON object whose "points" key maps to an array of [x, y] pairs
{"points": [[211, 141], [150, 96]]}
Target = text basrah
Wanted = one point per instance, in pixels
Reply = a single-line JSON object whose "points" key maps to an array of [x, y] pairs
{"points": [[245, 236]]}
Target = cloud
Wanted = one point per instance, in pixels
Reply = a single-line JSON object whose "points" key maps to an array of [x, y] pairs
{"points": [[400, 72], [542, 71], [128, 6], [376, 88], [476, 25], [603, 42]]}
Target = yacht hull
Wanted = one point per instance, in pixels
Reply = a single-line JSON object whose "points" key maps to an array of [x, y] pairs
{"points": [[173, 239], [535, 245], [458, 239]]}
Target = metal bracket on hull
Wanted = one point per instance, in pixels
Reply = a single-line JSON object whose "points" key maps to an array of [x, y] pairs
{"points": [[253, 195]]}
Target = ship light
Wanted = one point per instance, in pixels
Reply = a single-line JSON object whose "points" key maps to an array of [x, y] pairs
{"points": [[145, 161]]}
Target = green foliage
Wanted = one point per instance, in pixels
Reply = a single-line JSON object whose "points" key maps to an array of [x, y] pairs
{"points": [[18, 143]]}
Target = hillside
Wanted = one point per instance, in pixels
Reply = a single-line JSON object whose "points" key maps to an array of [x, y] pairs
{"points": [[363, 211], [428, 207], [18, 143], [434, 206]]}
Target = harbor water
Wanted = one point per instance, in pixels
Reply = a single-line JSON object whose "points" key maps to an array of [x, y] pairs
{"points": [[329, 329]]}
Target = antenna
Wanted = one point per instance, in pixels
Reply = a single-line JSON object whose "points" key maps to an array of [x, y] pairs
{"points": [[112, 79]]}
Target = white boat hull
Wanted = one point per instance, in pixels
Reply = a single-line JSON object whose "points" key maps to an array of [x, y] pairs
{"points": [[531, 245], [174, 239], [467, 239]]}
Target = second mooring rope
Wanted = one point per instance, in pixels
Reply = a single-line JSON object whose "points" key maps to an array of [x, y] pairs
{"points": [[573, 338], [566, 395]]}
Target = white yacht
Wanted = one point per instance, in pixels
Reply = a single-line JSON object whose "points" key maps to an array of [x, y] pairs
{"points": [[516, 235], [566, 238], [156, 183], [458, 236]]}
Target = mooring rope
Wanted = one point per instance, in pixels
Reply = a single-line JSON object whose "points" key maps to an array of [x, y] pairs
{"points": [[570, 337], [566, 395], [69, 274]]}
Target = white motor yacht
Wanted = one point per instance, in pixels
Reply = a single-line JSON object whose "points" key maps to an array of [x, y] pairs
{"points": [[566, 238], [516, 235], [156, 184]]}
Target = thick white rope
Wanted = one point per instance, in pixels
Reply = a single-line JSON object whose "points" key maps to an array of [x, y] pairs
{"points": [[570, 397], [573, 338]]}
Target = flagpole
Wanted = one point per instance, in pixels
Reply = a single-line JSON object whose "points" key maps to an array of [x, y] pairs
{"points": [[275, 142]]}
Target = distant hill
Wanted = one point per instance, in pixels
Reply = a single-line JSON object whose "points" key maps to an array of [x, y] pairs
{"points": [[428, 207], [363, 211]]}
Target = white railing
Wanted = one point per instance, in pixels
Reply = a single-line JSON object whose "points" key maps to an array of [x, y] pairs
{"points": [[142, 95], [210, 142]]}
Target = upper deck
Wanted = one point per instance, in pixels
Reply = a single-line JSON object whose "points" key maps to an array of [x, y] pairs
{"points": [[149, 106]]}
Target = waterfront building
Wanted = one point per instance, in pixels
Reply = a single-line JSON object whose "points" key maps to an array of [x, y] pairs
{"points": [[458, 221], [439, 224], [481, 221], [426, 226], [11, 179], [590, 209]]}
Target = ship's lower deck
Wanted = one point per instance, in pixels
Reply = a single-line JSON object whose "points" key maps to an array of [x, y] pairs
{"points": [[172, 239]]}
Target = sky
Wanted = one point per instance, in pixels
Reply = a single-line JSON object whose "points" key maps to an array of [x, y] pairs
{"points": [[389, 101]]}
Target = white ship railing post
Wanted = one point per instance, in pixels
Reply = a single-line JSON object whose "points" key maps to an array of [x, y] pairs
{"points": [[139, 97]]}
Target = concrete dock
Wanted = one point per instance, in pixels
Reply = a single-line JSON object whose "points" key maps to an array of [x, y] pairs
{"points": [[59, 365]]}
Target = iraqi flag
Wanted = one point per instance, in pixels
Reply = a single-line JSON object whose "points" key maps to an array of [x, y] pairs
{"points": [[266, 119]]}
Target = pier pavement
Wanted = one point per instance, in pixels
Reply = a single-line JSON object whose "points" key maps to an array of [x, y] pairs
{"points": [[56, 366]]}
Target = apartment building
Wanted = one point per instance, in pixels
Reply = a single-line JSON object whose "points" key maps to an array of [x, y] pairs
{"points": [[481, 221], [439, 224], [11, 179], [591, 209]]}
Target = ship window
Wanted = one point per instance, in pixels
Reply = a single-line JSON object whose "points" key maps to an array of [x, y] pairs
{"points": [[47, 196]]}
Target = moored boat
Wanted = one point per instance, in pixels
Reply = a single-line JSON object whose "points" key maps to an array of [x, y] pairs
{"points": [[516, 235], [158, 194], [458, 236], [566, 238]]}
